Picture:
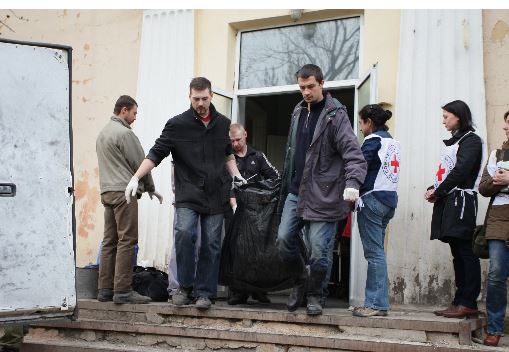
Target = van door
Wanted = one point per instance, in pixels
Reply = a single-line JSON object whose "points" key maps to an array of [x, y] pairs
{"points": [[37, 230]]}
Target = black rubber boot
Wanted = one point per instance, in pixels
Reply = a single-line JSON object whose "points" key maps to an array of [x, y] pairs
{"points": [[237, 297], [315, 293], [298, 292], [314, 307]]}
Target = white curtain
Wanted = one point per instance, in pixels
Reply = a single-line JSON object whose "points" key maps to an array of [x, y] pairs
{"points": [[165, 70]]}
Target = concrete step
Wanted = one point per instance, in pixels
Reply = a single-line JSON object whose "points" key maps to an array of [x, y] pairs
{"points": [[247, 328], [408, 325], [126, 336]]}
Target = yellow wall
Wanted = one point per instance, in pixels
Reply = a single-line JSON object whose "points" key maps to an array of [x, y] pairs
{"points": [[381, 45], [215, 37], [496, 72], [105, 65]]}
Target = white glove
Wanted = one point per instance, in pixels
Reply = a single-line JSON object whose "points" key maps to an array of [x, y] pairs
{"points": [[238, 181], [351, 194], [157, 195], [131, 189]]}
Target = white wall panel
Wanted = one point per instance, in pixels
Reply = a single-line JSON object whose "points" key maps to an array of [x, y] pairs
{"points": [[441, 59], [166, 68]]}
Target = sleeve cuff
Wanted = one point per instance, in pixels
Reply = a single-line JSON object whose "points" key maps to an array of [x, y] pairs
{"points": [[151, 155]]}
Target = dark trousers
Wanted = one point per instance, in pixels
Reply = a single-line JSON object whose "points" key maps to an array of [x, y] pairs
{"points": [[467, 273], [120, 237]]}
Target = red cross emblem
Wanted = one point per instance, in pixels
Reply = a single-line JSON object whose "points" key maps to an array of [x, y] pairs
{"points": [[395, 163], [440, 172]]}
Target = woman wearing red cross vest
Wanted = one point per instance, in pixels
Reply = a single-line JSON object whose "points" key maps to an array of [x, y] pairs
{"points": [[376, 205], [455, 206]]}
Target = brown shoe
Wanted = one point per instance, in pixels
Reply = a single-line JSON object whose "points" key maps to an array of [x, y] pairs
{"points": [[492, 340], [461, 312], [441, 312]]}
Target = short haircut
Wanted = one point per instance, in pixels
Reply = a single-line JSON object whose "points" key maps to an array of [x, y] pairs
{"points": [[505, 115], [125, 101], [309, 70], [200, 83], [461, 110], [237, 127]]}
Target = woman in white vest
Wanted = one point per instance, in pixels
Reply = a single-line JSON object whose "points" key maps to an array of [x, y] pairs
{"points": [[377, 204], [455, 206], [494, 182]]}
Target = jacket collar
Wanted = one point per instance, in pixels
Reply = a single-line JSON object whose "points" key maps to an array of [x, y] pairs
{"points": [[250, 150], [120, 120], [329, 104], [212, 110], [457, 136]]}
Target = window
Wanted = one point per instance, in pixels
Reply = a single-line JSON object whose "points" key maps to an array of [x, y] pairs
{"points": [[271, 57]]}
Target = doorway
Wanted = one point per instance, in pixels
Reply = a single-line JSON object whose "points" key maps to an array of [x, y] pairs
{"points": [[267, 121]]}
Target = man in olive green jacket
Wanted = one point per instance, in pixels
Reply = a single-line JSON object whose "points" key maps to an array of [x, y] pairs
{"points": [[119, 153]]}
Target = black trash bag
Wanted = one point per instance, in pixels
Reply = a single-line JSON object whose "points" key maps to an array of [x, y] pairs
{"points": [[151, 282], [249, 259]]}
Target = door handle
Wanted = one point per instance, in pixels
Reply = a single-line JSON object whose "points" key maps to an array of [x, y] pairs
{"points": [[7, 189]]}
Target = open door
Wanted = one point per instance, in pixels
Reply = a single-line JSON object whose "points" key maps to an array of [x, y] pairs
{"points": [[365, 93], [37, 230]]}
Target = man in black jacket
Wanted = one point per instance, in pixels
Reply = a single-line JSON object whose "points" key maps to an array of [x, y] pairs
{"points": [[253, 165], [199, 143]]}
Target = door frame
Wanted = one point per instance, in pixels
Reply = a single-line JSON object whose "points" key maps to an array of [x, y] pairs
{"points": [[359, 265]]}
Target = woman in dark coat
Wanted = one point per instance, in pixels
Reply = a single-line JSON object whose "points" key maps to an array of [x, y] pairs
{"points": [[455, 206]]}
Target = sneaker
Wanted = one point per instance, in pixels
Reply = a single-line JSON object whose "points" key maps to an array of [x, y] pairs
{"points": [[203, 303], [130, 297], [182, 297], [105, 295], [368, 312]]}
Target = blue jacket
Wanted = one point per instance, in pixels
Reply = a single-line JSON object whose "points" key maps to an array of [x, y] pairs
{"points": [[370, 149]]}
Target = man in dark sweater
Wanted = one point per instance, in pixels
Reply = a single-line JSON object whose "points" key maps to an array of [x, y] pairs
{"points": [[199, 143], [323, 170]]}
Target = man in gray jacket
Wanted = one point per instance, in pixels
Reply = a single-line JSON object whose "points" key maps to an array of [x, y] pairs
{"points": [[119, 154], [323, 170]]}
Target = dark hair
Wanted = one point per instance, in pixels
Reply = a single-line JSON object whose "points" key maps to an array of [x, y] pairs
{"points": [[309, 70], [377, 114], [505, 115], [461, 110], [200, 83], [125, 101]]}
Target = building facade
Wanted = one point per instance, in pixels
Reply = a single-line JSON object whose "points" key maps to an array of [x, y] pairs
{"points": [[413, 60]]}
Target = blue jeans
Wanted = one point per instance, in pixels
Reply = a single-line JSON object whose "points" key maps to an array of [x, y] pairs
{"points": [[372, 220], [201, 274], [320, 235], [496, 295]]}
